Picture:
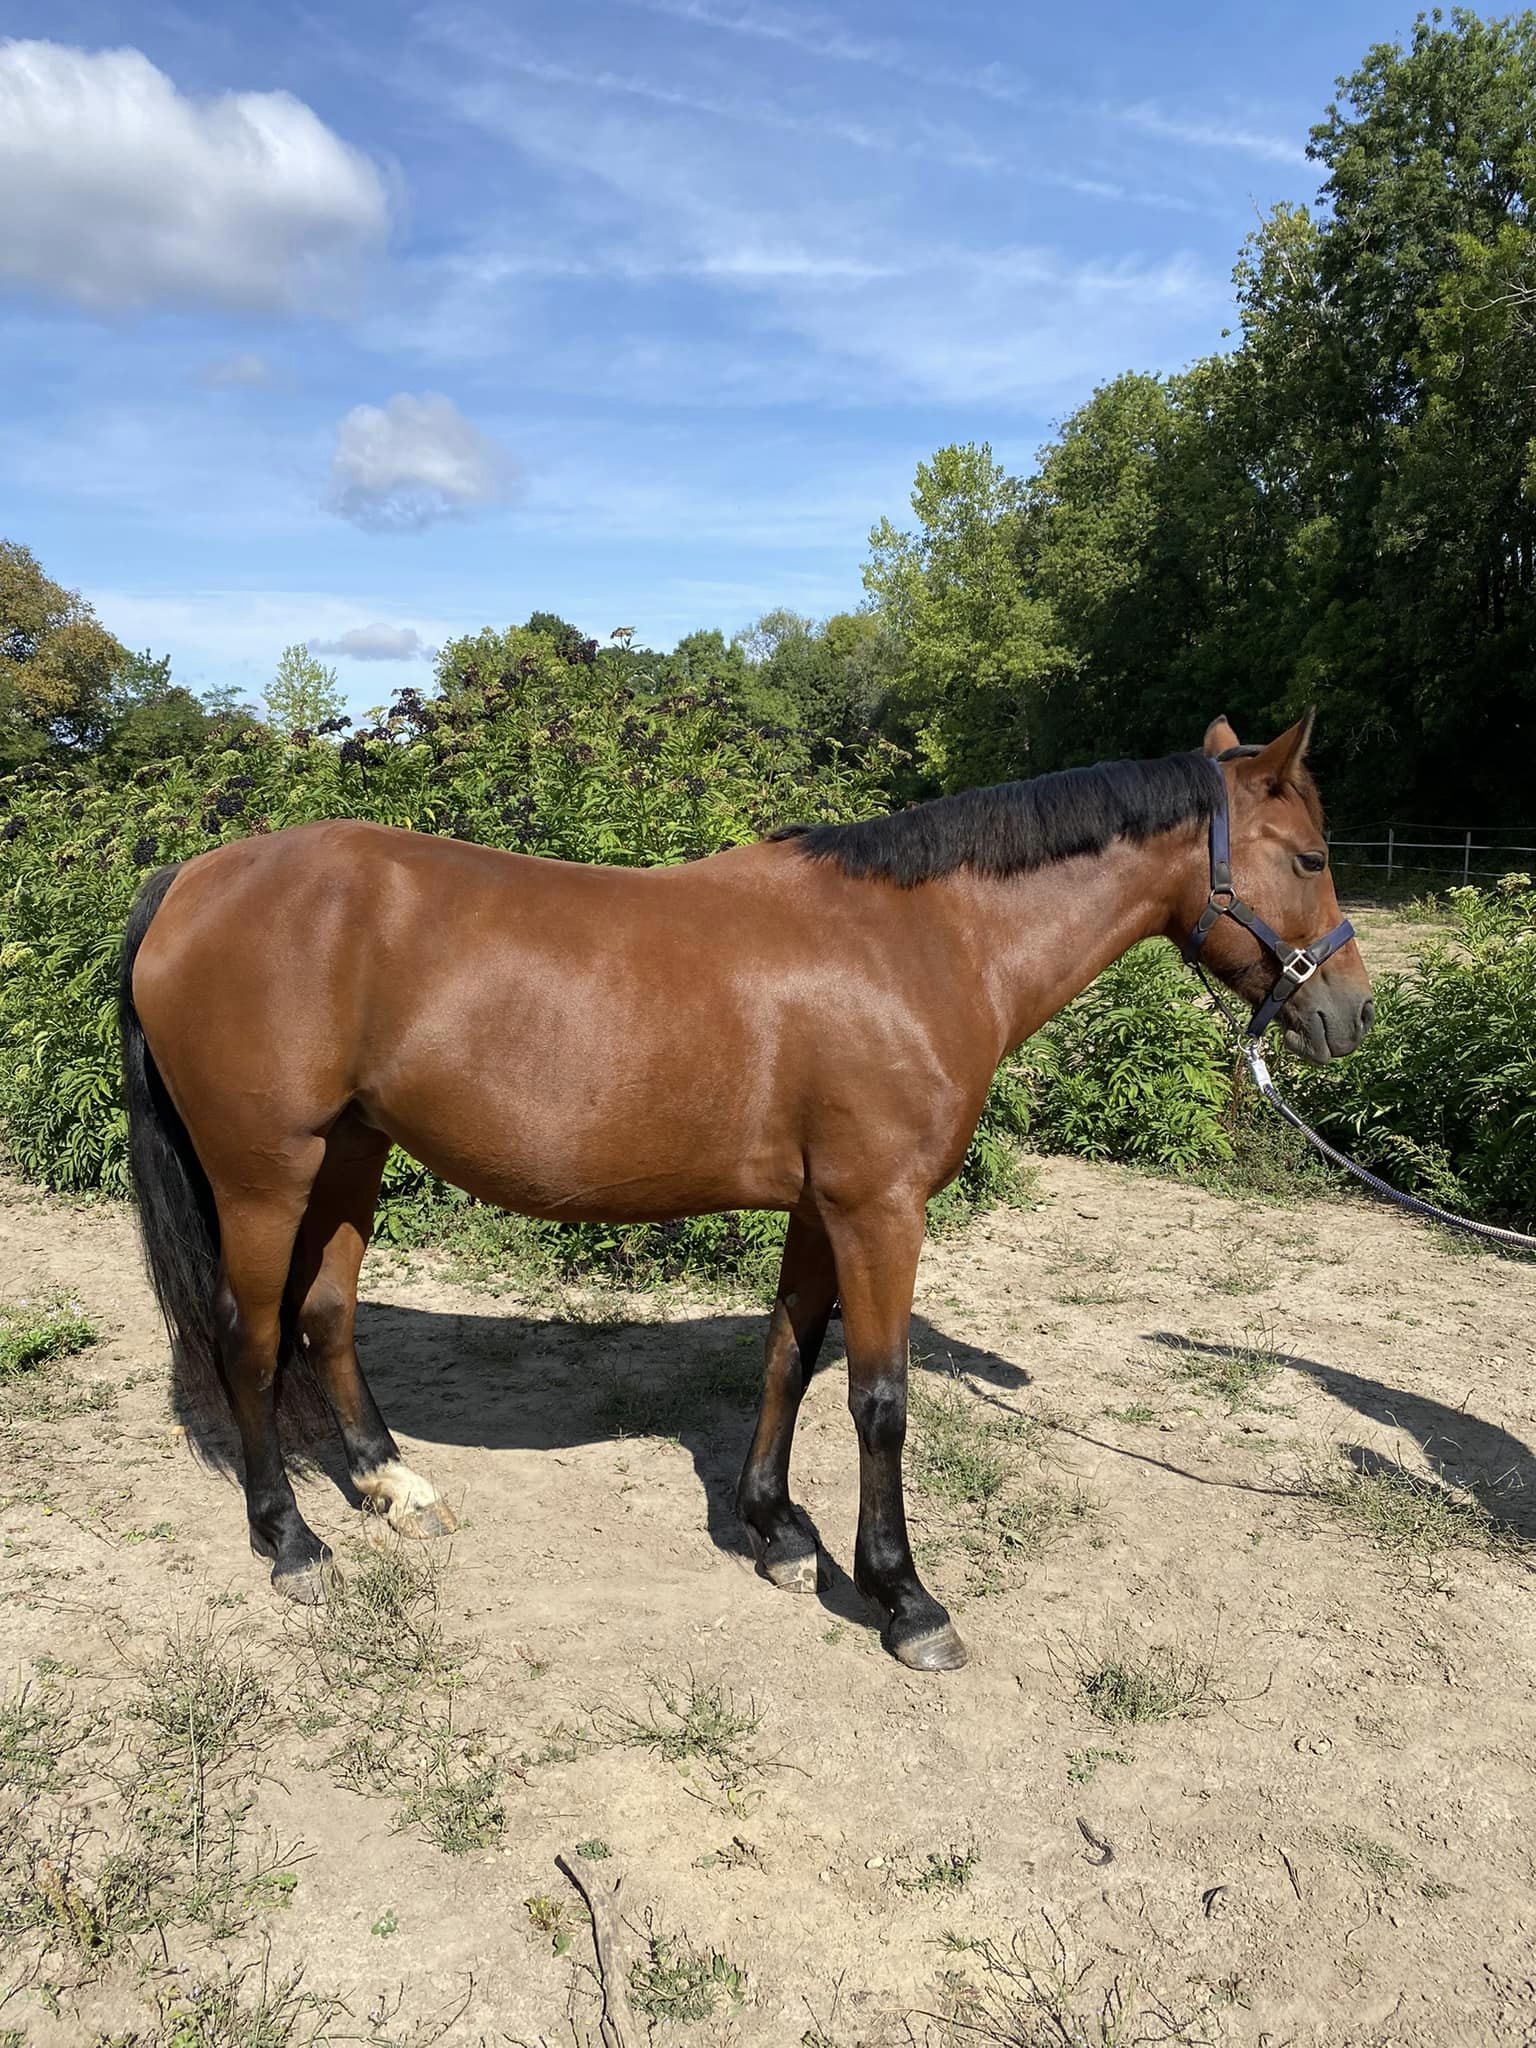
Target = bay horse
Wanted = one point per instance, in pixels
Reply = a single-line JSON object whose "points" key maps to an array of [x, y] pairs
{"points": [[807, 1024]]}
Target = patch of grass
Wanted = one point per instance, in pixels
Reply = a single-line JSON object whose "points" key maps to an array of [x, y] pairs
{"points": [[1083, 1764], [35, 1340], [1124, 1682], [966, 1462], [678, 1984], [169, 1845], [381, 1628], [1371, 1858], [1138, 1413], [34, 1334], [942, 1871], [385, 1674], [1411, 1516], [1241, 1279], [695, 1726], [687, 1396], [1234, 1373], [246, 2008]]}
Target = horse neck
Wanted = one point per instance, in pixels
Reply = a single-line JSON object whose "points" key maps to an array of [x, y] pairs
{"points": [[1041, 938]]}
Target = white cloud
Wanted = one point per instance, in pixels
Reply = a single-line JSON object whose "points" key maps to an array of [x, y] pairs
{"points": [[249, 370], [121, 192], [378, 642], [820, 36], [1202, 132], [413, 460]]}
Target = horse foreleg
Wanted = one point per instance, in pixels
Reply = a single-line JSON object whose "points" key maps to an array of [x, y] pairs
{"points": [[784, 1541], [877, 1252]]}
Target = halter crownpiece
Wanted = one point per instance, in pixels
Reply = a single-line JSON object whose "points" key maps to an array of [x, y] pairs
{"points": [[1298, 964]]}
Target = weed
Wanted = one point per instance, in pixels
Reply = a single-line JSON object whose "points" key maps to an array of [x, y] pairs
{"points": [[1137, 1413], [690, 1724], [942, 1870], [1124, 1682], [33, 1334], [201, 1701], [1232, 1372], [382, 1656], [39, 1727], [595, 1851], [550, 1919], [640, 1407], [966, 1461], [1083, 1764], [678, 1983], [1041, 1996], [382, 1627], [246, 2008], [1371, 1858], [1415, 1518], [446, 1783], [386, 1924]]}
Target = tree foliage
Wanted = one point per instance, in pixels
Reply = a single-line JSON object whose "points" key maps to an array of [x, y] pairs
{"points": [[1341, 509]]}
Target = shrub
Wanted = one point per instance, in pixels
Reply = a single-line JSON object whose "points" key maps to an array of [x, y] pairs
{"points": [[531, 744], [1442, 1095], [1136, 1069]]}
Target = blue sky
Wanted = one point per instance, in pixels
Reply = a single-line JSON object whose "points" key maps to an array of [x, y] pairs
{"points": [[364, 325]]}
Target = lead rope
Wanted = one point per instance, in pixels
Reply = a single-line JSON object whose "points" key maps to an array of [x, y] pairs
{"points": [[1251, 1053]]}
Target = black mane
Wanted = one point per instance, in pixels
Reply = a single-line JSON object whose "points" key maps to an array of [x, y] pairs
{"points": [[1018, 826]]}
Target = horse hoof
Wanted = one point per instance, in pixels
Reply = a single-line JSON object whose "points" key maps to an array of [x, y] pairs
{"points": [[432, 1518], [310, 1585], [807, 1573], [939, 1649]]}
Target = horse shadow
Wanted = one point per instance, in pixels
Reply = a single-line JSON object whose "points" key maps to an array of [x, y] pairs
{"points": [[1475, 1458], [522, 1383]]}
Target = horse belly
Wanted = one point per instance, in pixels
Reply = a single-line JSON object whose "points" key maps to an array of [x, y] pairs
{"points": [[585, 1124]]}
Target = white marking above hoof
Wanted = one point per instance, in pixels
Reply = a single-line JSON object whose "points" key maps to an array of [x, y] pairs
{"points": [[409, 1501]]}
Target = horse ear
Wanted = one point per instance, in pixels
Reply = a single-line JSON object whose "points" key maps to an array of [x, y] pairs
{"points": [[1278, 767], [1219, 737]]}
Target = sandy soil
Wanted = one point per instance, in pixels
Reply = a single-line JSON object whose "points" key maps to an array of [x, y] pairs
{"points": [[1331, 1845]]}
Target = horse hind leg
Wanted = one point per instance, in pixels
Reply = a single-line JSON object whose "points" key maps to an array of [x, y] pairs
{"points": [[787, 1552], [332, 1240], [257, 1234]]}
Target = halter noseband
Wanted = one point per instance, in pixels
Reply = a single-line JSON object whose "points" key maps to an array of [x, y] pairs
{"points": [[1298, 964]]}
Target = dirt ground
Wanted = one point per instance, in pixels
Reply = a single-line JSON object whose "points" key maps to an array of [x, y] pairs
{"points": [[1232, 1503]]}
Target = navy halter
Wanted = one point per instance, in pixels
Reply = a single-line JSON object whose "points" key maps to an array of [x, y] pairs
{"points": [[1298, 964]]}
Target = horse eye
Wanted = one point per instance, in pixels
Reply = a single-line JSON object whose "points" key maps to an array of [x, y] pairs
{"points": [[1312, 863]]}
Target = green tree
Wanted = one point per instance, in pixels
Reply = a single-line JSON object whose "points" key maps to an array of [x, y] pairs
{"points": [[303, 693], [980, 650], [57, 661]]}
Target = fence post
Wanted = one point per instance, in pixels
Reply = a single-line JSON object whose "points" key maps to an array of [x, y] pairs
{"points": [[1390, 832], [1466, 861]]}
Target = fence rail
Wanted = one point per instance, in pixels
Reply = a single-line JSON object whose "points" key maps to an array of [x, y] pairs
{"points": [[1463, 849]]}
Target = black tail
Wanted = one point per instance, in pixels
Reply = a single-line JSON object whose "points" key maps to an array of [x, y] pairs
{"points": [[178, 1222], [179, 1226]]}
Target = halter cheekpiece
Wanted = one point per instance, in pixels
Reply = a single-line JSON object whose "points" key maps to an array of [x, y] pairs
{"points": [[1298, 964]]}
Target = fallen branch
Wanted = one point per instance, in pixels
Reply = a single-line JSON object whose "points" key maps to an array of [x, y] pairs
{"points": [[619, 2027]]}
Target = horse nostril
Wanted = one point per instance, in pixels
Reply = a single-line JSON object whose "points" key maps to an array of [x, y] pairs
{"points": [[1367, 1014]]}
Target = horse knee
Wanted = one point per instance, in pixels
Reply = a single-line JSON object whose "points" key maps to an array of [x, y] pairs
{"points": [[879, 1410]]}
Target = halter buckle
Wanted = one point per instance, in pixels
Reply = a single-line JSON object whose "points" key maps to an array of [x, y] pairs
{"points": [[1300, 968]]}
